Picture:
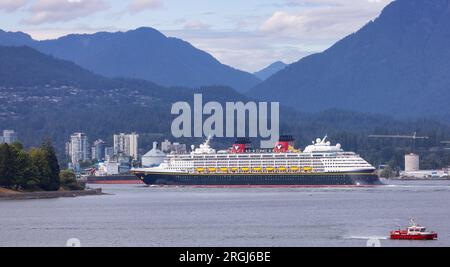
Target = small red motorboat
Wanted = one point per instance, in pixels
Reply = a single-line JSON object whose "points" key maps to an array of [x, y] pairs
{"points": [[414, 232]]}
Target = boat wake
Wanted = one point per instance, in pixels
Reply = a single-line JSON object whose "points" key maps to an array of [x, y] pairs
{"points": [[367, 237]]}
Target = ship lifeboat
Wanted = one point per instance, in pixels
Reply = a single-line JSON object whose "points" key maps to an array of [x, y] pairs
{"points": [[270, 169], [234, 169], [294, 169], [307, 169], [200, 169], [212, 169], [414, 232], [224, 169], [257, 169], [245, 169], [282, 169]]}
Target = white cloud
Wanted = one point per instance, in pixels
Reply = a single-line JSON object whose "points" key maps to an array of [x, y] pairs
{"points": [[12, 5], [326, 19], [54, 32], [285, 35], [137, 6], [196, 25], [51, 11]]}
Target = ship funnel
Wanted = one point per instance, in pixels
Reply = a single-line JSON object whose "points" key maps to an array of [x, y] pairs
{"points": [[241, 145], [284, 143]]}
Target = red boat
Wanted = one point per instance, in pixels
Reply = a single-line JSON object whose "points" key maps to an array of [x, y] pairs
{"points": [[414, 232]]}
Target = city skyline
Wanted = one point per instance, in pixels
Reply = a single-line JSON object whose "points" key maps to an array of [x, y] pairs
{"points": [[259, 33]]}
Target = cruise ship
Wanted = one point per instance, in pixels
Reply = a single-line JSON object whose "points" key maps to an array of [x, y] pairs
{"points": [[319, 164]]}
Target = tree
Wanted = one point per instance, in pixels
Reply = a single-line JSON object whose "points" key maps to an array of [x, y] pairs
{"points": [[388, 173], [69, 181], [40, 168], [7, 166], [24, 175], [52, 166]]}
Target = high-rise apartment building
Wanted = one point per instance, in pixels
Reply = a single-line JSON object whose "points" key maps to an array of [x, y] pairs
{"points": [[78, 148], [126, 144], [9, 137], [98, 150]]}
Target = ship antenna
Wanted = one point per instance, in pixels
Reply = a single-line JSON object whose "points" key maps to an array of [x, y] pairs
{"points": [[208, 140], [324, 139]]}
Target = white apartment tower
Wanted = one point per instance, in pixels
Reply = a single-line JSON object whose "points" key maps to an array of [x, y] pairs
{"points": [[126, 144], [79, 148], [9, 137]]}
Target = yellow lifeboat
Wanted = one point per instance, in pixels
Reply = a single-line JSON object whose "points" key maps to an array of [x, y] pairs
{"points": [[200, 169], [270, 169], [294, 169], [307, 169], [224, 169], [212, 169], [282, 169], [245, 169], [257, 169], [234, 169]]}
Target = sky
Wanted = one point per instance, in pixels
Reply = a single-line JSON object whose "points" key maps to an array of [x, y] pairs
{"points": [[245, 34]]}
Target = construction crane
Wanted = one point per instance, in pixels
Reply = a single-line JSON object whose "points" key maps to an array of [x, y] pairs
{"points": [[414, 136]]}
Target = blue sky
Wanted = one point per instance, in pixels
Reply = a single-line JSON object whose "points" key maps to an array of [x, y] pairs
{"points": [[246, 34]]}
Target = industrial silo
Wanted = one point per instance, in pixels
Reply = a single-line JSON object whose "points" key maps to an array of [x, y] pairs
{"points": [[412, 163]]}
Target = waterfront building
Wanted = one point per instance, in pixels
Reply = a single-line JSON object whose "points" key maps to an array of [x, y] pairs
{"points": [[126, 144], [413, 171], [108, 168], [79, 148], [109, 153], [9, 137], [98, 150], [168, 147]]}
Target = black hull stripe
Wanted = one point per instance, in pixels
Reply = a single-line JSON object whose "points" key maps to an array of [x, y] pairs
{"points": [[261, 179]]}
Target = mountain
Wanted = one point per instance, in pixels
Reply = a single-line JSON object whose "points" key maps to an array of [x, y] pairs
{"points": [[144, 53], [41, 96], [270, 70], [15, 38], [397, 64], [24, 66]]}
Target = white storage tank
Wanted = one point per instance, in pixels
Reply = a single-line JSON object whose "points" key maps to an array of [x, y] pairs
{"points": [[154, 157], [412, 163]]}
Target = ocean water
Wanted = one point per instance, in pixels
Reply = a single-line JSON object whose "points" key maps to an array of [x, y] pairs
{"points": [[134, 215]]}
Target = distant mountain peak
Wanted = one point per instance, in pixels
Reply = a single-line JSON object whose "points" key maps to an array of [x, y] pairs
{"points": [[14, 38], [270, 70]]}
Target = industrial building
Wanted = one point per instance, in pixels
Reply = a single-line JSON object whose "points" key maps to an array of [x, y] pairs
{"points": [[413, 171]]}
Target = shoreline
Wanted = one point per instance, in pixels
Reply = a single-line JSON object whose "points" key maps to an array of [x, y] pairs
{"points": [[50, 195], [420, 179]]}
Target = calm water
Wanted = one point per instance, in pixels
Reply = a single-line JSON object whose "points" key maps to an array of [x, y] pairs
{"points": [[140, 216]]}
